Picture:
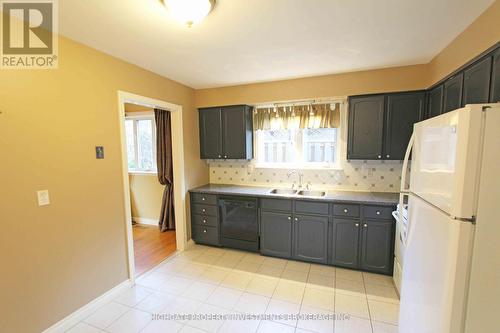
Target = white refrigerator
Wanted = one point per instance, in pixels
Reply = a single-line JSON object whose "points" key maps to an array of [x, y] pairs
{"points": [[450, 279]]}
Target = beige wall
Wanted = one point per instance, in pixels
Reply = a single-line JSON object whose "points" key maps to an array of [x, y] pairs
{"points": [[56, 258], [146, 194], [483, 33]]}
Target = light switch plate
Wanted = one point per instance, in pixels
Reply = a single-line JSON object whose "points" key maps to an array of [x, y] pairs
{"points": [[43, 197]]}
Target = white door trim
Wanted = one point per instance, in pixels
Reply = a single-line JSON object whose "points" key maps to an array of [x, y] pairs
{"points": [[178, 164]]}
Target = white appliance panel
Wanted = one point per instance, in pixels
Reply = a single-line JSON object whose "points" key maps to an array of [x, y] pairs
{"points": [[445, 160], [435, 271]]}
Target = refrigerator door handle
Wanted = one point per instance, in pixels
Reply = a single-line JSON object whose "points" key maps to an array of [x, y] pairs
{"points": [[404, 173]]}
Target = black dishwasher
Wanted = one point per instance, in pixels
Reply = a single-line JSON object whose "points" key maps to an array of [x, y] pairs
{"points": [[239, 226]]}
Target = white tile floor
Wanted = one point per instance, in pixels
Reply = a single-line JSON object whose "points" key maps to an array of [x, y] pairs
{"points": [[213, 281]]}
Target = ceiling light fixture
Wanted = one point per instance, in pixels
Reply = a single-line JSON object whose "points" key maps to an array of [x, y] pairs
{"points": [[189, 12]]}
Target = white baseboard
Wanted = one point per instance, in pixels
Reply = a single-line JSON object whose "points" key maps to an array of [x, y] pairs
{"points": [[83, 312], [142, 220]]}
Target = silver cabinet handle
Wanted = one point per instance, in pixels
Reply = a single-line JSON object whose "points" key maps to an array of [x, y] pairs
{"points": [[203, 210], [387, 156], [378, 212], [220, 156], [289, 217], [296, 219], [345, 210], [204, 231], [357, 224], [203, 199], [379, 156], [204, 221], [365, 225], [225, 156]]}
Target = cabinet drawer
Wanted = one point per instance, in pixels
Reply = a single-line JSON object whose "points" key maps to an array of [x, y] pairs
{"points": [[311, 207], [206, 235], [276, 204], [378, 212], [205, 210], [201, 198], [210, 221], [346, 210]]}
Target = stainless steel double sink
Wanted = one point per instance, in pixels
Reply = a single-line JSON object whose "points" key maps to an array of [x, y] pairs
{"points": [[298, 193]]}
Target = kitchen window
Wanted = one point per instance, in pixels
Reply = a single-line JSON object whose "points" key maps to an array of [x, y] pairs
{"points": [[304, 137], [140, 134]]}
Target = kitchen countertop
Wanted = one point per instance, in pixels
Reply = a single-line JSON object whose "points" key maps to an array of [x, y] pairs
{"points": [[381, 198]]}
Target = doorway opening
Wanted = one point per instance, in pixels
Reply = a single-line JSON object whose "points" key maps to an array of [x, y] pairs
{"points": [[151, 238]]}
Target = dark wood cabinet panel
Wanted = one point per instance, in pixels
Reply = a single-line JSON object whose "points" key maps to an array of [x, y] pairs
{"points": [[376, 246], [495, 79], [310, 238], [403, 110], [435, 101], [452, 94], [345, 242], [226, 132], [276, 234], [366, 127], [210, 133], [237, 132], [477, 83]]}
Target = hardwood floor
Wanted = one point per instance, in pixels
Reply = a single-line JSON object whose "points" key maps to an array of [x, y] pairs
{"points": [[151, 246]]}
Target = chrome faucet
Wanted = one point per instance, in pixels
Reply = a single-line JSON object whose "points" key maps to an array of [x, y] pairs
{"points": [[300, 174]]}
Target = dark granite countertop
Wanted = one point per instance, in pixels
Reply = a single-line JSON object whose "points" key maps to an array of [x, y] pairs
{"points": [[381, 198]]}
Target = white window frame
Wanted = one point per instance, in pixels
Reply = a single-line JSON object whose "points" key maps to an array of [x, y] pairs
{"points": [[135, 116]]}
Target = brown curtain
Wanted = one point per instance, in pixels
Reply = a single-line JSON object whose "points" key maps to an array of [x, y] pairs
{"points": [[300, 116], [165, 168]]}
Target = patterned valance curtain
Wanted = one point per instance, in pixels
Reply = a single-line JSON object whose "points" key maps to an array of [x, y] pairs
{"points": [[299, 116]]}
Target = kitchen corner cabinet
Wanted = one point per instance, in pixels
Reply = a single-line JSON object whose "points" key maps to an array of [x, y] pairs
{"points": [[495, 78], [380, 126], [226, 132], [477, 82], [376, 244]]}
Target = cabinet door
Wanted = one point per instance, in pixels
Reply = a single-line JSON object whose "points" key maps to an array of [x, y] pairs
{"points": [[477, 83], [495, 79], [310, 238], [435, 102], [403, 110], [345, 242], [377, 239], [276, 234], [366, 123], [452, 99], [210, 133], [236, 130]]}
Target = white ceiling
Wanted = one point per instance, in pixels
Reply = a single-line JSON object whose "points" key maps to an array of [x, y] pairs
{"points": [[245, 41]]}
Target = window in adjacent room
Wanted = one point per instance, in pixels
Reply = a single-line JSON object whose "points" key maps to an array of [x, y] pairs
{"points": [[141, 143], [298, 136]]}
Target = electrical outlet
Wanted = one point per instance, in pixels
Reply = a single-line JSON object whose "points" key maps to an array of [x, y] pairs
{"points": [[43, 197]]}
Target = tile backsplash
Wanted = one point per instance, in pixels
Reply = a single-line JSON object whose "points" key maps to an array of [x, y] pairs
{"points": [[380, 176]]}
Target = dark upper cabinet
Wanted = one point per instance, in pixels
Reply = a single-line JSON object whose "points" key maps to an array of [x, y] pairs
{"points": [[276, 234], [477, 83], [495, 79], [237, 131], [435, 101], [452, 94], [210, 133], [366, 127], [226, 132], [310, 238], [345, 243], [377, 240], [403, 110]]}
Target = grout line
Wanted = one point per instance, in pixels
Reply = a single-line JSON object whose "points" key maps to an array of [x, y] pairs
{"points": [[367, 304]]}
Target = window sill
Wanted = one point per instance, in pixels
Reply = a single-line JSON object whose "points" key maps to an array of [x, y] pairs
{"points": [[143, 173], [297, 167]]}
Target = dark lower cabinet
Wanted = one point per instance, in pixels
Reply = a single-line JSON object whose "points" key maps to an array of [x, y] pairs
{"points": [[345, 242], [495, 78], [435, 101], [376, 246], [310, 238], [477, 83], [366, 127], [452, 93], [276, 234], [403, 111]]}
